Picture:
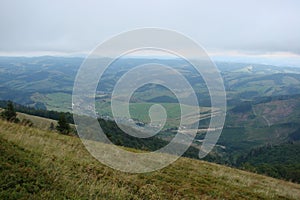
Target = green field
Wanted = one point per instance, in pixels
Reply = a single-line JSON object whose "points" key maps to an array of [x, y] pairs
{"points": [[55, 101], [140, 111]]}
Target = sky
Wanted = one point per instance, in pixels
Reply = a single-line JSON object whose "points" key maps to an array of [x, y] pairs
{"points": [[266, 28]]}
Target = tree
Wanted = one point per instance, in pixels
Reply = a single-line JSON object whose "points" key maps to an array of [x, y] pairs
{"points": [[62, 125], [9, 113], [51, 128]]}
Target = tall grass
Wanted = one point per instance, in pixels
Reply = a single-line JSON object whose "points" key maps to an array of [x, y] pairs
{"points": [[38, 164]]}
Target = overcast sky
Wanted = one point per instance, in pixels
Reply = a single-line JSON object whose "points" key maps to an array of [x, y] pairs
{"points": [[221, 27]]}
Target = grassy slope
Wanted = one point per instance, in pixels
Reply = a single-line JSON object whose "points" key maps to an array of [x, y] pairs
{"points": [[41, 164], [39, 122]]}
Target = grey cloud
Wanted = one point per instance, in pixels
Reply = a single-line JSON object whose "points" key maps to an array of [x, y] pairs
{"points": [[74, 26]]}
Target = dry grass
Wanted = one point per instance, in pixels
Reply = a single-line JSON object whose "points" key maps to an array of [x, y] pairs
{"points": [[80, 176], [39, 122]]}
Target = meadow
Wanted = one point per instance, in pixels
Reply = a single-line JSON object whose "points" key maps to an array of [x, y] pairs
{"points": [[40, 164]]}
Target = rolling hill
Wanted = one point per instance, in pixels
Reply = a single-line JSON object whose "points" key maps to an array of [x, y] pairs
{"points": [[263, 107], [38, 164]]}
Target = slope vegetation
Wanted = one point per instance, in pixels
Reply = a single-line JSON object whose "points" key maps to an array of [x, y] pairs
{"points": [[38, 164]]}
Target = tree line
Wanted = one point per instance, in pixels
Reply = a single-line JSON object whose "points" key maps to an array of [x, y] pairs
{"points": [[50, 114], [10, 114]]}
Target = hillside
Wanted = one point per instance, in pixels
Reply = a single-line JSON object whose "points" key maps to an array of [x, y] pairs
{"points": [[47, 82], [273, 161], [250, 125], [38, 164], [264, 121]]}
